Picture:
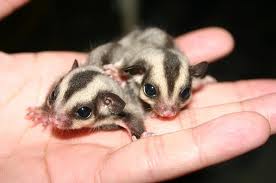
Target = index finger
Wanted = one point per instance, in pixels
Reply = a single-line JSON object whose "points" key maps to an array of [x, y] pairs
{"points": [[7, 7], [207, 44]]}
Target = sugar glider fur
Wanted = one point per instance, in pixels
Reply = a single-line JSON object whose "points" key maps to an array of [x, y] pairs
{"points": [[164, 77], [87, 98]]}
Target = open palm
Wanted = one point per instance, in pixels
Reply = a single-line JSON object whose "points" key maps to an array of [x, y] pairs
{"points": [[223, 120]]}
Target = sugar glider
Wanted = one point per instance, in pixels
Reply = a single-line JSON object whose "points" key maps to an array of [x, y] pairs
{"points": [[119, 52], [162, 72], [87, 98]]}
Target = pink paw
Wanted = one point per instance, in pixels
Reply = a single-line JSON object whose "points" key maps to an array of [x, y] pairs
{"points": [[111, 70], [37, 115], [115, 74]]}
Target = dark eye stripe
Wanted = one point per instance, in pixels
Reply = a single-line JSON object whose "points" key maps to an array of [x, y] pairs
{"points": [[53, 95], [92, 104], [107, 57], [51, 98]]}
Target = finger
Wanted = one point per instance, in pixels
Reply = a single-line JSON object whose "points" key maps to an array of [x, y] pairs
{"points": [[45, 63], [163, 157], [47, 56], [45, 67], [41, 62], [232, 92], [264, 105], [7, 7], [207, 44]]}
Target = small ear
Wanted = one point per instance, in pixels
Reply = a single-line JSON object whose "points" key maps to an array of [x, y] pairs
{"points": [[113, 102], [199, 70], [75, 64], [135, 69]]}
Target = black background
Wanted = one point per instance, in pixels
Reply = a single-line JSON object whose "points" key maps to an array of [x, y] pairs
{"points": [[80, 25]]}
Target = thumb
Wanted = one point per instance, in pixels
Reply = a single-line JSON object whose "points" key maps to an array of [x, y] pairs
{"points": [[159, 158]]}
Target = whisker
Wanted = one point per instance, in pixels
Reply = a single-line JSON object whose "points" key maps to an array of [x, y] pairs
{"points": [[92, 130]]}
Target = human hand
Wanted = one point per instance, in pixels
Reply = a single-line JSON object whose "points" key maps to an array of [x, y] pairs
{"points": [[215, 127], [7, 7]]}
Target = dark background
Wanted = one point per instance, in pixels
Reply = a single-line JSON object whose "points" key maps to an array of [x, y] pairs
{"points": [[81, 25]]}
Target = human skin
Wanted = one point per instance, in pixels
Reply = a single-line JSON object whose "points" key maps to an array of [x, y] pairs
{"points": [[224, 120]]}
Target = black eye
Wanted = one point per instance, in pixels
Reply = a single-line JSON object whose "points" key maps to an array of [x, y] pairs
{"points": [[150, 90], [84, 112], [185, 93]]}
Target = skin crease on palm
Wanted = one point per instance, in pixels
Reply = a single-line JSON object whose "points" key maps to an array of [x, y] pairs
{"points": [[215, 126]]}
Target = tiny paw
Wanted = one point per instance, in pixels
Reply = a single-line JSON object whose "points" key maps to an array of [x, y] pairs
{"points": [[37, 116], [133, 138], [147, 134], [209, 79], [144, 135], [109, 67]]}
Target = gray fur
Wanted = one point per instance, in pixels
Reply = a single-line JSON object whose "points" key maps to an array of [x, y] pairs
{"points": [[87, 86], [151, 56]]}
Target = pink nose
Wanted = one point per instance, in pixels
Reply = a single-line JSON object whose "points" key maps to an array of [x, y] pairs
{"points": [[62, 118], [166, 111], [61, 121]]}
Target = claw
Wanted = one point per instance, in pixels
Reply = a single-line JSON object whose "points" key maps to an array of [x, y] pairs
{"points": [[147, 134]]}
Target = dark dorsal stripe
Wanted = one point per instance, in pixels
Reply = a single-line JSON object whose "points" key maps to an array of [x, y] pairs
{"points": [[171, 68], [79, 81], [169, 42], [107, 56], [52, 96]]}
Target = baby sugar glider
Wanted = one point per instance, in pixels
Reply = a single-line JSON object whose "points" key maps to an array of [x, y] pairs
{"points": [[86, 98], [119, 52], [162, 73]]}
